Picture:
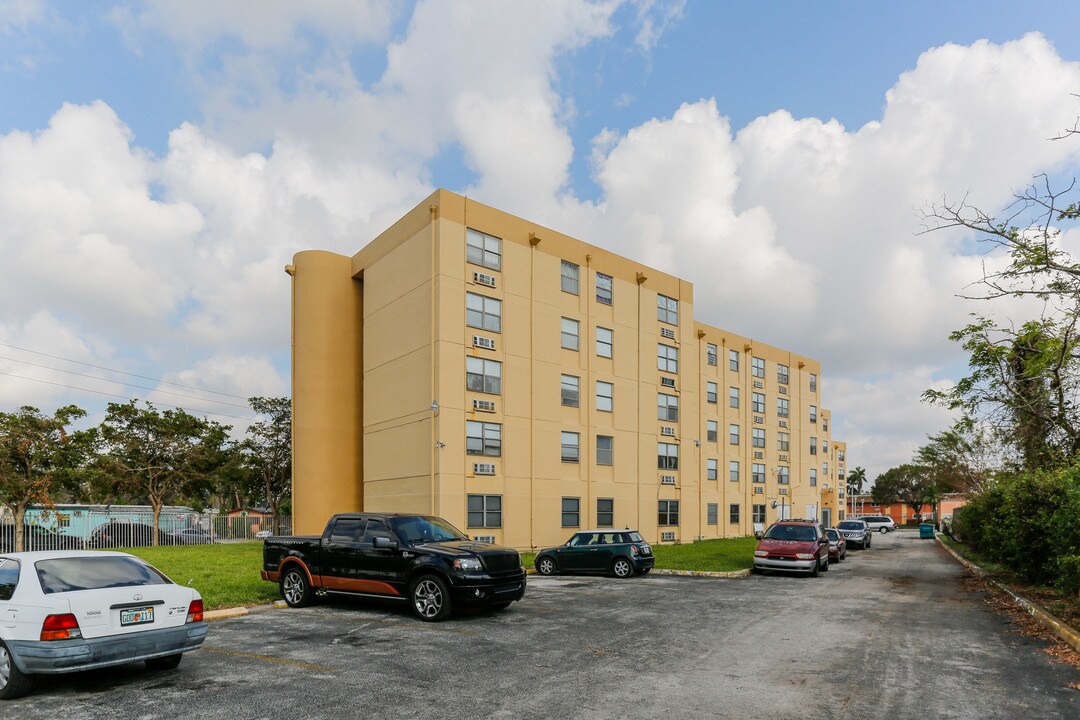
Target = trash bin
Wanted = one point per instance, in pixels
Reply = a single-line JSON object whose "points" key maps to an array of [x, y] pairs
{"points": [[926, 530]]}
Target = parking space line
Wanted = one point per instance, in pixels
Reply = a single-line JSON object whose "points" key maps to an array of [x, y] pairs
{"points": [[267, 658]]}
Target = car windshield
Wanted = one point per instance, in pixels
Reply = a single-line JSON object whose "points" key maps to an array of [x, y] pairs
{"points": [[833, 535], [425, 529], [851, 525], [800, 533], [94, 573]]}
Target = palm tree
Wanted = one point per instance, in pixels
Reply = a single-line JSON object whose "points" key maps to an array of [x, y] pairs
{"points": [[856, 479]]}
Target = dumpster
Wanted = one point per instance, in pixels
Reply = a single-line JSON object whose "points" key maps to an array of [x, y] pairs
{"points": [[926, 530]]}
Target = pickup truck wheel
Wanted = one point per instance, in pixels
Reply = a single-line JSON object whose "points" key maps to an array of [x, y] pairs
{"points": [[13, 683], [295, 588], [622, 568], [430, 598], [546, 566]]}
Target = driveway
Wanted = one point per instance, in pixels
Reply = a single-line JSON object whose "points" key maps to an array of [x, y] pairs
{"points": [[891, 632]]}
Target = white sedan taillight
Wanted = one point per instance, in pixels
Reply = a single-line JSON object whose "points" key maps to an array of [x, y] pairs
{"points": [[60, 627], [195, 611]]}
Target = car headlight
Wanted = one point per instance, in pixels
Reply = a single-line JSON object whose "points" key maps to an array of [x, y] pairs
{"points": [[468, 564], [805, 556], [761, 553]]}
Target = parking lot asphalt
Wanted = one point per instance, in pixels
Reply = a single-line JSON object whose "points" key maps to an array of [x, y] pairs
{"points": [[891, 632]]}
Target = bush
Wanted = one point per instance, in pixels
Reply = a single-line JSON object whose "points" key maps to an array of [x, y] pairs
{"points": [[1068, 580]]}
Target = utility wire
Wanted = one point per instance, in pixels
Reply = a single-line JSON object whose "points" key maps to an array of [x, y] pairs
{"points": [[124, 397], [122, 372], [125, 384]]}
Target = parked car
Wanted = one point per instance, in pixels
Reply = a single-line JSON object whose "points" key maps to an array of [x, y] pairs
{"points": [[423, 560], [36, 537], [621, 552], [837, 545], [190, 536], [881, 523], [121, 535], [796, 545], [72, 610], [856, 532]]}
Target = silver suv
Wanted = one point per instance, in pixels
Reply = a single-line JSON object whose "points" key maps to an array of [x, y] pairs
{"points": [[856, 532], [881, 523]]}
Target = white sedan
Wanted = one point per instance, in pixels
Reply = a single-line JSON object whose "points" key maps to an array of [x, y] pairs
{"points": [[68, 610]]}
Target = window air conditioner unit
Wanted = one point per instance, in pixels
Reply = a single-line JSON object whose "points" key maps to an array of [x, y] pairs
{"points": [[758, 384], [782, 390], [484, 468], [759, 491], [758, 455], [783, 423], [483, 342], [483, 279], [490, 539], [484, 405], [668, 333], [783, 458], [667, 479], [667, 537], [759, 419], [667, 382], [710, 358], [669, 431], [783, 491]]}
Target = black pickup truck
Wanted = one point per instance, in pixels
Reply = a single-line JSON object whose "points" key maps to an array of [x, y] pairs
{"points": [[422, 559]]}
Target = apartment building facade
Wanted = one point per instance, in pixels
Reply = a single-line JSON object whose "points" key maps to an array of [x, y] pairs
{"points": [[524, 384]]}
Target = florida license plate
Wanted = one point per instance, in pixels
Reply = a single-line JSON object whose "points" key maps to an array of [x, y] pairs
{"points": [[136, 616]]}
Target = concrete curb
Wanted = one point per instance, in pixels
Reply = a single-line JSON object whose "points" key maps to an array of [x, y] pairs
{"points": [[1066, 633], [225, 614], [703, 573]]}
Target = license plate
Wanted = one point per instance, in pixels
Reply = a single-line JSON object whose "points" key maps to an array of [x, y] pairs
{"points": [[136, 616]]}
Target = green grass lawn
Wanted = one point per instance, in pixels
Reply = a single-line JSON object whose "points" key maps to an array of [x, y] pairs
{"points": [[227, 575]]}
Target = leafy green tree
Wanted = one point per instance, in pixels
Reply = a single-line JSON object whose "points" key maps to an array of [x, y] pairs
{"points": [[34, 450], [962, 458], [909, 484], [268, 452], [159, 455]]}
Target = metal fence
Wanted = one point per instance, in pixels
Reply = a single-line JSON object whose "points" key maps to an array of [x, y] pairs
{"points": [[92, 528]]}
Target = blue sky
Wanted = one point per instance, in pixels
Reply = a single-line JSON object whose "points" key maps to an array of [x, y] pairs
{"points": [[202, 145]]}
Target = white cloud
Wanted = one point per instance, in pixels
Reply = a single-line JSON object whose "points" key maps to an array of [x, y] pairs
{"points": [[19, 15]]}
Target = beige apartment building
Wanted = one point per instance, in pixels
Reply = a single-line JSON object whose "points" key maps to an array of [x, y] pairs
{"points": [[523, 384]]}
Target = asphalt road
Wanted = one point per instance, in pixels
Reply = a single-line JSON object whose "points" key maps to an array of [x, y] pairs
{"points": [[890, 633]]}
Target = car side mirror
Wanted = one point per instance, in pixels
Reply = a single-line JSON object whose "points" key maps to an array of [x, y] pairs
{"points": [[385, 542]]}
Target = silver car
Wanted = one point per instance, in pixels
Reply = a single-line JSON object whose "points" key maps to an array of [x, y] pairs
{"points": [[856, 532], [881, 523]]}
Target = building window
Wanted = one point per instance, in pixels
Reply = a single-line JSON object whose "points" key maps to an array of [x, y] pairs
{"points": [[483, 312], [813, 446], [669, 513], [733, 434], [781, 407], [813, 477], [733, 513], [667, 310], [758, 439], [667, 358], [667, 456], [570, 390], [733, 360], [604, 340], [605, 396], [824, 447], [570, 334], [733, 397], [712, 430], [824, 424], [757, 472], [711, 511], [571, 512], [667, 407], [605, 512], [570, 447], [711, 469], [783, 441], [733, 471], [813, 413], [757, 367], [710, 392], [569, 277], [825, 469], [483, 438], [483, 375], [757, 402], [782, 374], [485, 511], [813, 382], [759, 514], [782, 475], [604, 288], [710, 354], [483, 249], [605, 450]]}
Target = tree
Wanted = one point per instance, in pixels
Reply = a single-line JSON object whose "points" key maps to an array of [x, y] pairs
{"points": [[268, 451], [34, 449], [962, 458], [856, 480], [909, 484], [158, 454]]}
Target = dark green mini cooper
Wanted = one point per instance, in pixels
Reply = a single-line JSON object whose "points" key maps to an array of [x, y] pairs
{"points": [[621, 552]]}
